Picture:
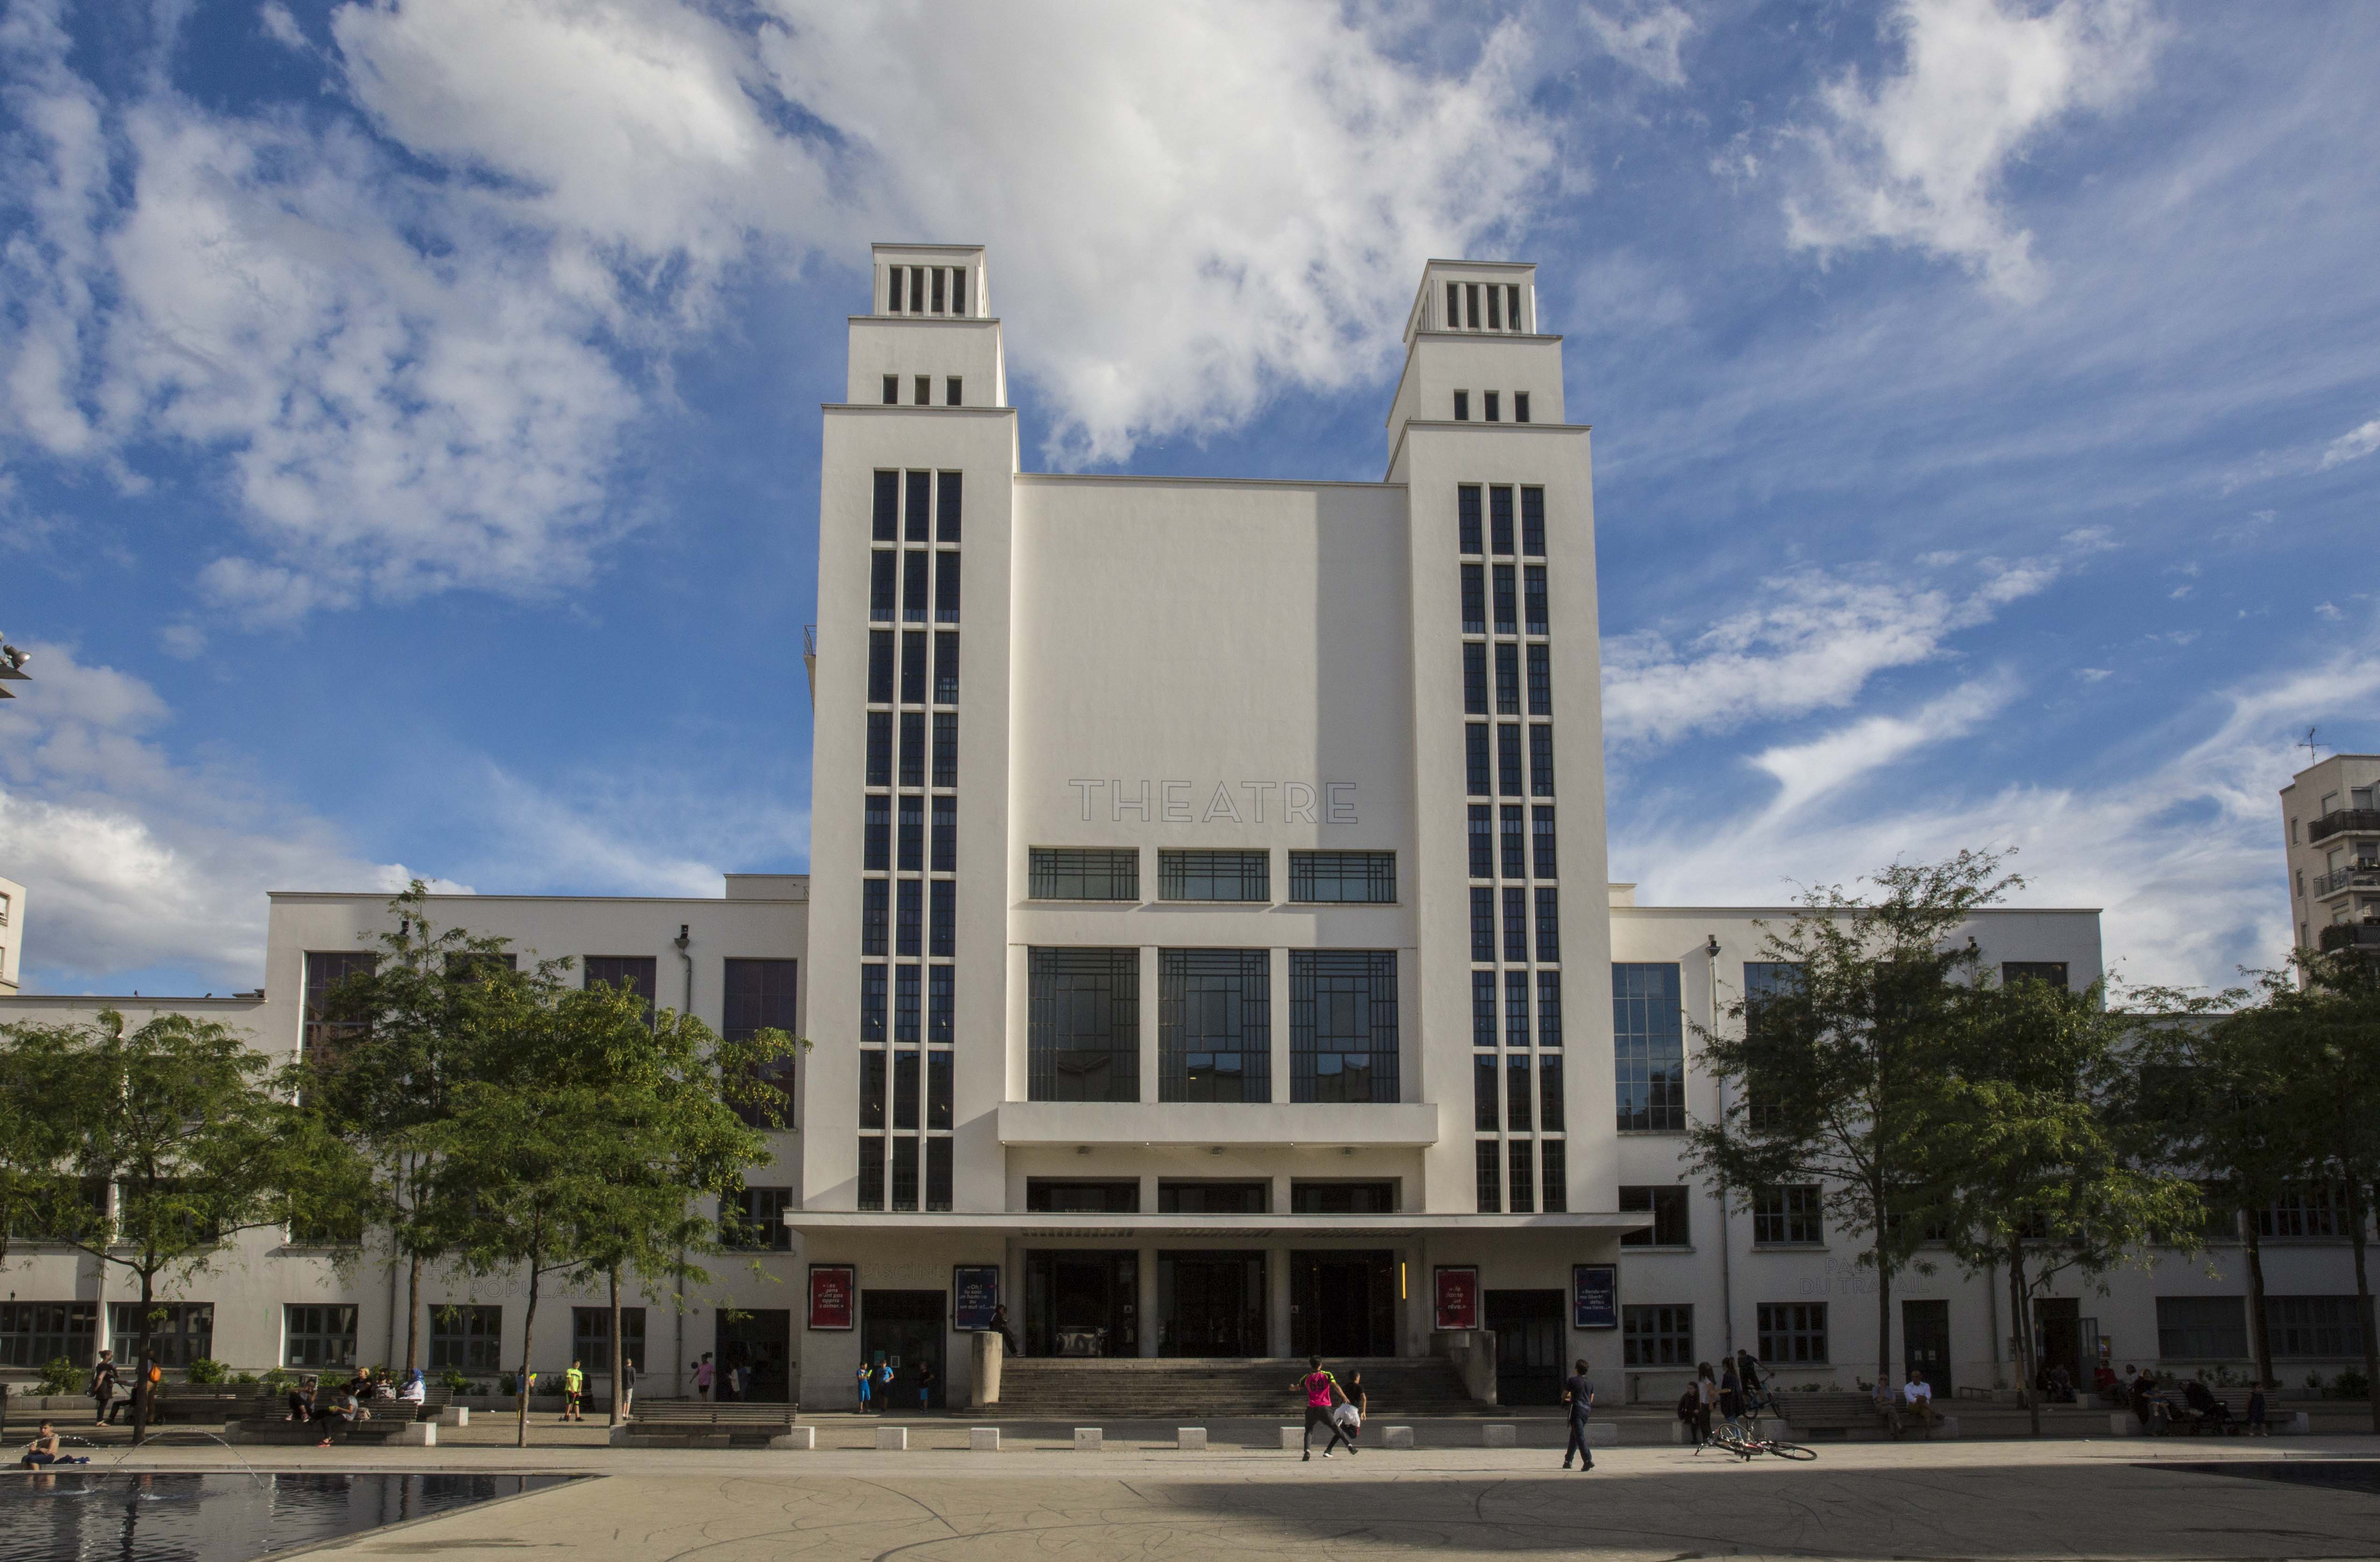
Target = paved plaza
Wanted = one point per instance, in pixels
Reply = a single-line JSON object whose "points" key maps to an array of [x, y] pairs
{"points": [[2111, 1498]]}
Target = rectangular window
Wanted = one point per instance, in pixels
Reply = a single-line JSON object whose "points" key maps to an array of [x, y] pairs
{"points": [[1541, 759], [946, 667], [1508, 680], [1495, 406], [1466, 517], [1516, 842], [1484, 1116], [1483, 1009], [1342, 1024], [1490, 1162], [937, 274], [946, 587], [1669, 1208], [894, 293], [755, 1222], [324, 973], [871, 1172], [1084, 873], [911, 853], [2203, 1329], [1475, 599], [925, 384], [1500, 522], [950, 388], [1470, 305], [871, 1003], [942, 926], [904, 1171], [1556, 1183], [888, 492], [938, 1174], [1788, 1216], [908, 918], [1765, 982], [880, 667], [1474, 678], [179, 1332], [33, 1334], [1521, 1155], [1214, 876], [1516, 1093], [913, 667], [1550, 1113], [1517, 1009], [758, 995], [466, 1339], [892, 384], [1648, 1048], [948, 486], [2053, 971], [1533, 521], [318, 1335], [1454, 306], [1477, 779], [1507, 608], [1213, 1198], [1516, 926], [1343, 878], [938, 1084], [1792, 1332], [875, 834], [946, 747], [1495, 308], [1483, 924], [2305, 1210], [1483, 841], [1656, 1336], [1541, 681], [1509, 782], [916, 525], [638, 974], [905, 1010], [1548, 925], [1463, 407], [945, 857], [1520, 407], [1083, 1034], [1549, 1009], [879, 748], [941, 1003], [1057, 1196], [1541, 835], [590, 1338], [882, 567], [1214, 1025], [872, 1090], [2300, 1328], [1513, 305], [906, 1080], [1342, 1196], [1533, 591], [913, 588]]}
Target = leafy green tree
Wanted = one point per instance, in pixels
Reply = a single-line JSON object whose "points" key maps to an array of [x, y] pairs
{"points": [[199, 1138], [2036, 1162], [1834, 1075], [35, 1135]]}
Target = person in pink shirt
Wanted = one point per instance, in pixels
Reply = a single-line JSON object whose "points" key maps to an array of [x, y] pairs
{"points": [[702, 1375], [1318, 1386]]}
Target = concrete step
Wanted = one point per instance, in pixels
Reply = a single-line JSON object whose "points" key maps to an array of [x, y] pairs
{"points": [[1163, 1386]]}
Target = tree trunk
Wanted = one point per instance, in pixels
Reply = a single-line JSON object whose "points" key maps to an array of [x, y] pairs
{"points": [[1883, 1322], [2355, 1203], [2019, 1298], [521, 1383], [618, 1350], [142, 1409], [2259, 1344], [413, 1315]]}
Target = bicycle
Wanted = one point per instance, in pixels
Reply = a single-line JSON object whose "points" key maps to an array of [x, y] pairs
{"points": [[1739, 1436]]}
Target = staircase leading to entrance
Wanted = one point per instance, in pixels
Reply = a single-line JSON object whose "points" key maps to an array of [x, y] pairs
{"points": [[1155, 1389]]}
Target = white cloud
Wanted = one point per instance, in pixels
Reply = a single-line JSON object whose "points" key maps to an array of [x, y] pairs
{"points": [[1807, 772], [2093, 675], [2327, 610], [1915, 158], [1646, 37], [2353, 445]]}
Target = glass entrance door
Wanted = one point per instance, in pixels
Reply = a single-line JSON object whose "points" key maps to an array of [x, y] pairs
{"points": [[1925, 1344], [903, 1330], [1082, 1303], [1211, 1303], [1528, 1329], [1342, 1304], [760, 1343]]}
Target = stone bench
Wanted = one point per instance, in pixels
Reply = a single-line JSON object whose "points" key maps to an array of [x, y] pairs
{"points": [[701, 1423]]}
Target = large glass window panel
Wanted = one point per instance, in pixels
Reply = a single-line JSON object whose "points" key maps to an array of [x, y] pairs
{"points": [[1516, 842], [879, 748], [920, 496], [938, 1087], [945, 856], [914, 566], [1343, 878], [1342, 1024], [911, 853], [1483, 1115], [1517, 1009], [1549, 1032], [1500, 521], [872, 1089], [946, 748], [871, 1003], [2203, 1329], [875, 834], [1516, 926], [1466, 518], [1483, 923], [1508, 680], [871, 1172], [1522, 1189], [913, 667], [888, 501], [1214, 876], [1792, 1332], [1474, 678], [882, 572], [1670, 1205], [1516, 1093], [907, 981], [1657, 1336], [1479, 781], [1079, 873], [880, 667], [904, 1171], [875, 903], [1490, 1161], [946, 587], [947, 488], [318, 1336], [913, 748], [1483, 841], [1548, 925], [1550, 1115], [1541, 759], [1648, 1046], [908, 918], [1509, 780], [1532, 522], [1214, 1025], [938, 1173], [905, 1087], [946, 669], [1475, 599], [941, 926], [1508, 617], [1533, 577], [1541, 679], [466, 1339], [1483, 1009], [1541, 832], [941, 1001], [1556, 1191], [1083, 1034]]}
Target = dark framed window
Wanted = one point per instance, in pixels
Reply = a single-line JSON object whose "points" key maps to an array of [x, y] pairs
{"points": [[938, 1087], [1548, 925], [946, 669], [874, 907], [2305, 1210], [590, 1338], [888, 490], [1085, 873], [944, 857], [880, 667], [892, 381], [1671, 1211], [1517, 1116], [1516, 925], [1483, 1009], [911, 854], [1495, 408], [1340, 1196], [907, 1084], [904, 1171], [1499, 520], [946, 748], [1533, 521], [1477, 779], [759, 996], [33, 1334], [913, 667], [942, 925], [1657, 1335], [1509, 780], [1517, 1009], [938, 1173], [466, 1339], [1475, 599], [1508, 680], [1788, 1215], [941, 1003], [1532, 590], [871, 1172], [1342, 877], [324, 973], [2203, 1329], [1463, 407], [1342, 1024], [906, 982], [1549, 1009], [1765, 982], [1485, 1116], [1483, 841], [1213, 1198], [876, 833], [912, 748], [871, 1003], [2050, 971], [755, 1222], [1083, 1035], [1474, 678], [1556, 1191], [1050, 1195], [946, 587], [1648, 1048], [914, 567], [879, 748], [1522, 1157], [947, 491], [1551, 1112], [918, 526], [2303, 1327], [1214, 876], [1508, 617], [908, 918], [1466, 518], [1541, 833], [318, 1335], [1489, 1161], [1793, 1333], [638, 974], [1516, 842], [1541, 681], [1520, 407], [1214, 1020], [1483, 923], [1541, 759], [883, 566], [875, 1090]]}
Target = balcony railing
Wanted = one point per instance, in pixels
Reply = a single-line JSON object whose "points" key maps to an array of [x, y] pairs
{"points": [[2343, 821], [2350, 936], [2355, 876]]}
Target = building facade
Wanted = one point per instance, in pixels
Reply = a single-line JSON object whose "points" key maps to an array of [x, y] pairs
{"points": [[2330, 819], [1208, 949]]}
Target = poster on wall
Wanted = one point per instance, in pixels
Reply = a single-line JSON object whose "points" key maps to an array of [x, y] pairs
{"points": [[1457, 1297], [834, 1292], [974, 1293], [1594, 1296]]}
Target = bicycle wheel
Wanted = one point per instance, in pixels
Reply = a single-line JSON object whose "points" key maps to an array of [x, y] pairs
{"points": [[1792, 1450]]}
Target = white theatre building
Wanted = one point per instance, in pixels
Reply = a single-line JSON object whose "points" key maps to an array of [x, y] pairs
{"points": [[1208, 949]]}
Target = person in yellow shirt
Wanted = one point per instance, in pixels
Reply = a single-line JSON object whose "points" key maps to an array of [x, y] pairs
{"points": [[574, 1386]]}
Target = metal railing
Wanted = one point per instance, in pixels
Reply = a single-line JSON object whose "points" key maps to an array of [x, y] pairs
{"points": [[2357, 875], [2342, 822]]}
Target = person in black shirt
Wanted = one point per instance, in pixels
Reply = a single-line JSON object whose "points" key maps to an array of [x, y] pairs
{"points": [[1578, 1393]]}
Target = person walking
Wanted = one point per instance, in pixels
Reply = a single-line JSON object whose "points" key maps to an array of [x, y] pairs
{"points": [[1318, 1386], [1347, 1419], [866, 1387], [1706, 1392], [103, 1388], [628, 1385], [1578, 1393], [1730, 1390], [924, 1386], [703, 1372], [573, 1391], [884, 1376]]}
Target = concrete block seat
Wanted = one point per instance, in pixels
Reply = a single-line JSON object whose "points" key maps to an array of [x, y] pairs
{"points": [[1824, 1414], [2233, 1419], [699, 1423], [1177, 1388], [267, 1421], [203, 1407]]}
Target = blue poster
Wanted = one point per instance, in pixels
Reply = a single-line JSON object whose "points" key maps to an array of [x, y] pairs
{"points": [[974, 1292], [1594, 1296]]}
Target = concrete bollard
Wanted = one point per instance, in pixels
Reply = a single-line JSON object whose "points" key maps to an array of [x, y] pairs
{"points": [[1499, 1435], [416, 1435], [1087, 1439], [892, 1439], [455, 1415], [1396, 1437], [799, 1439], [983, 1439], [1190, 1439], [1293, 1437]]}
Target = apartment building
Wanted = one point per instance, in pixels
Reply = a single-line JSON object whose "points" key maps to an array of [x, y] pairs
{"points": [[2330, 822]]}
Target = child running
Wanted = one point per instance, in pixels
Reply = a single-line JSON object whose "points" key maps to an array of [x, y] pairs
{"points": [[1318, 1386]]}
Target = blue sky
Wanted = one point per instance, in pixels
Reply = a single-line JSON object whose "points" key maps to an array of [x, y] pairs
{"points": [[408, 412]]}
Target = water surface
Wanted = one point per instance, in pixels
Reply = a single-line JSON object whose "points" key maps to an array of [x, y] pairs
{"points": [[82, 1515]]}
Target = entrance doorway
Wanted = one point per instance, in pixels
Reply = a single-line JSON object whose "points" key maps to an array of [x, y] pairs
{"points": [[1342, 1304], [2057, 1337], [1528, 1329], [903, 1330], [1925, 1345], [1211, 1303], [1081, 1305], [761, 1343]]}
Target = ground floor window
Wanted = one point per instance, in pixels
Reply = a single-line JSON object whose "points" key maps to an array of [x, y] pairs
{"points": [[1657, 1336], [1792, 1332], [33, 1334], [2201, 1328], [318, 1335], [591, 1336], [466, 1339], [179, 1332], [2298, 1326]]}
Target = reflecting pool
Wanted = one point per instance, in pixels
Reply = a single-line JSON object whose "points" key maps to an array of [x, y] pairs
{"points": [[82, 1514]]}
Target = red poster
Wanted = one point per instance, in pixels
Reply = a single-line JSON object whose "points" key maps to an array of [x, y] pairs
{"points": [[833, 1288], [1458, 1298]]}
